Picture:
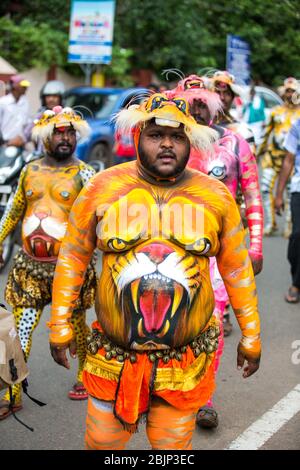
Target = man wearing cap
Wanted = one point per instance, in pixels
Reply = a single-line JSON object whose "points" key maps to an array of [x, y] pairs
{"points": [[152, 348], [46, 191], [224, 84], [273, 152], [14, 112]]}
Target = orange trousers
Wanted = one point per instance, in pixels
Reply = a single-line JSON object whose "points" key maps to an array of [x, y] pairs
{"points": [[167, 427]]}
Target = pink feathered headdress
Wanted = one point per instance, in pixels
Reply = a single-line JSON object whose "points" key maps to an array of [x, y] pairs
{"points": [[195, 88]]}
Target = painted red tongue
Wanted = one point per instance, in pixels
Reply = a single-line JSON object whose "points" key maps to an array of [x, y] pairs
{"points": [[40, 249], [154, 305]]}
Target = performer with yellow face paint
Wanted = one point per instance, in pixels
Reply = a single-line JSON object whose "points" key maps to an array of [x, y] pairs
{"points": [[46, 191], [157, 222], [273, 153]]}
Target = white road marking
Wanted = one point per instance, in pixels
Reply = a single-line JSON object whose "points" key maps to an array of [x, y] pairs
{"points": [[264, 428]]}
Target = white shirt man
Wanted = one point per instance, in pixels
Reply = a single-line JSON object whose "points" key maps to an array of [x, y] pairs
{"points": [[14, 112]]}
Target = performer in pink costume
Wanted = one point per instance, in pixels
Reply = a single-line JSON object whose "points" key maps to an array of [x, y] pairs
{"points": [[233, 163]]}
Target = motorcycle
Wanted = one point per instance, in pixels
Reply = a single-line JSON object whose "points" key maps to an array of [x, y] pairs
{"points": [[12, 160]]}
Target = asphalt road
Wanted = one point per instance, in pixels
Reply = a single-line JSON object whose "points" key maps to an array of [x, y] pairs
{"points": [[240, 402]]}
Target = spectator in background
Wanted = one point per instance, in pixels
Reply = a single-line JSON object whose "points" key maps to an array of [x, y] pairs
{"points": [[254, 114], [291, 166], [14, 112], [51, 95]]}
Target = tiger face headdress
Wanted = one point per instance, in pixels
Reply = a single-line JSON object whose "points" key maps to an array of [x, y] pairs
{"points": [[195, 88], [59, 117], [171, 112], [223, 79]]}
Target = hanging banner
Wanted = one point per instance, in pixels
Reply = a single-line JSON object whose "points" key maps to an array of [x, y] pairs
{"points": [[91, 31], [238, 59]]}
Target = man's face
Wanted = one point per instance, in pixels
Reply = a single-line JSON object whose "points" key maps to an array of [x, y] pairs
{"points": [[200, 112], [52, 100], [226, 96], [288, 95], [62, 143], [19, 90], [164, 151]]}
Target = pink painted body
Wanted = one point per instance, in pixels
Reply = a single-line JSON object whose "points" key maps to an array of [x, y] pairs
{"points": [[233, 163]]}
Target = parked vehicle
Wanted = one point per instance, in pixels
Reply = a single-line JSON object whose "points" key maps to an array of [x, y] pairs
{"points": [[98, 106], [12, 160]]}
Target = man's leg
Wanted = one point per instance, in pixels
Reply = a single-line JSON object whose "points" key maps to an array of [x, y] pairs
{"points": [[81, 330], [169, 428], [207, 416], [287, 229], [103, 430], [26, 320], [293, 294]]}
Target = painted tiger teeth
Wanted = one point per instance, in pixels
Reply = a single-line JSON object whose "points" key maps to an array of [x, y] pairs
{"points": [[159, 277], [140, 328], [178, 292], [134, 293], [48, 246], [165, 329]]}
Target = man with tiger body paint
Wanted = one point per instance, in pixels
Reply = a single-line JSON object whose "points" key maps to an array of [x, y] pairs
{"points": [[232, 162], [46, 191], [273, 153], [152, 348], [223, 83]]}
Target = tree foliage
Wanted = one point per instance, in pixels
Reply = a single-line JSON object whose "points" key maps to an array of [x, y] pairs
{"points": [[28, 45], [191, 34], [152, 34]]}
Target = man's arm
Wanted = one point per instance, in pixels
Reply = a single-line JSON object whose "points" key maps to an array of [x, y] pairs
{"points": [[291, 145], [13, 212], [254, 208], [236, 270], [285, 173], [74, 256]]}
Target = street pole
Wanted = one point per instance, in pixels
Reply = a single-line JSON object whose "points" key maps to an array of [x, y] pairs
{"points": [[87, 69]]}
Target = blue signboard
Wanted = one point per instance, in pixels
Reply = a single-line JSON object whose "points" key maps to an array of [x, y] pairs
{"points": [[91, 31], [238, 59]]}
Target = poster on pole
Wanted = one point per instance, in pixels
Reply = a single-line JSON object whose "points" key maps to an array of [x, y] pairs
{"points": [[91, 31], [238, 59]]}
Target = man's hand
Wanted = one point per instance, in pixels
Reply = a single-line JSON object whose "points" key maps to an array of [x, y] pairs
{"points": [[279, 205], [59, 353], [252, 366], [257, 264]]}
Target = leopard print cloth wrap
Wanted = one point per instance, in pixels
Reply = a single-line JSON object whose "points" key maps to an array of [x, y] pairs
{"points": [[30, 284]]}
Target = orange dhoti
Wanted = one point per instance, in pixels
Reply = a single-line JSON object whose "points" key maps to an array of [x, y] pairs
{"points": [[178, 385]]}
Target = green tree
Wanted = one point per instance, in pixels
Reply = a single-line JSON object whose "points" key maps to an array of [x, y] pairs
{"points": [[191, 34], [153, 34], [27, 44]]}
